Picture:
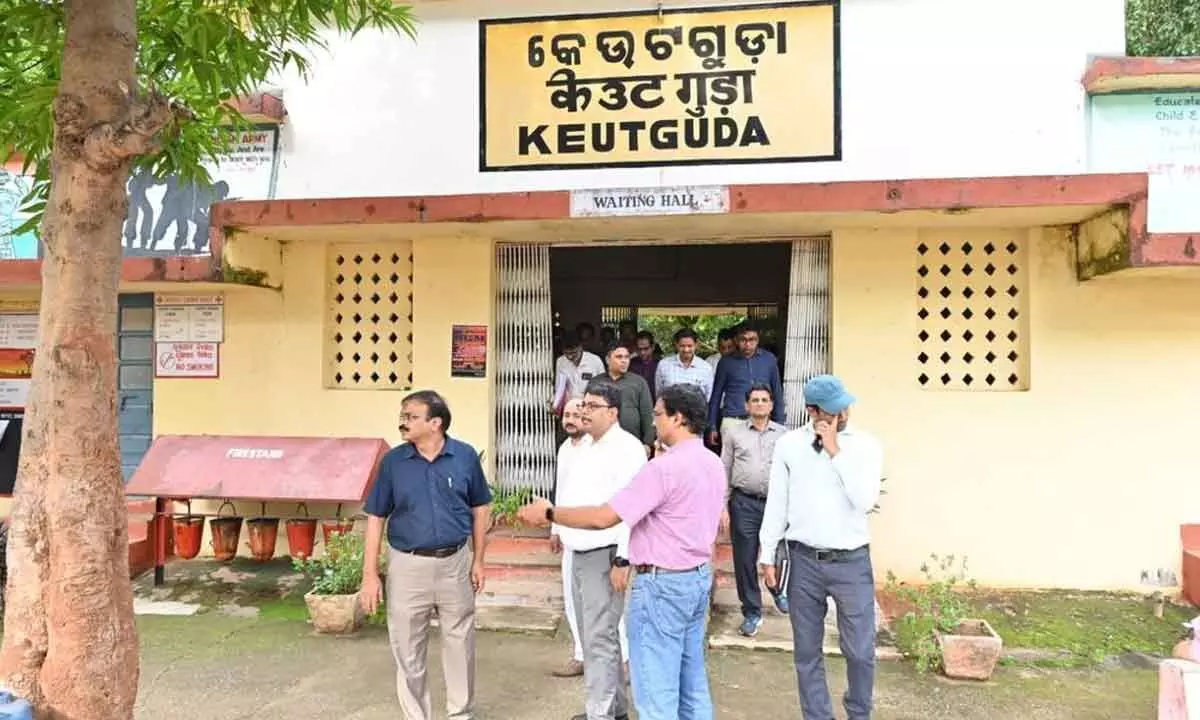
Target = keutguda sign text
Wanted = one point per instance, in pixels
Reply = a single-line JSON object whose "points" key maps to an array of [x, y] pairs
{"points": [[743, 84]]}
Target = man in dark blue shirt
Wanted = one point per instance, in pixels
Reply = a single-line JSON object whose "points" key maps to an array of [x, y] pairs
{"points": [[736, 374], [436, 503]]}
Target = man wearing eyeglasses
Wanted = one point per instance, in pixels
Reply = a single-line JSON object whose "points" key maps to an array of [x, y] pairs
{"points": [[431, 498], [673, 508], [602, 468], [825, 479]]}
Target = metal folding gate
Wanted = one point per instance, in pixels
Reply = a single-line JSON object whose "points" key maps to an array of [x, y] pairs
{"points": [[525, 452], [525, 428], [807, 345]]}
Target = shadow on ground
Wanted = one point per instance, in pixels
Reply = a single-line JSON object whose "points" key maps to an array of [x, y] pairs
{"points": [[225, 668]]}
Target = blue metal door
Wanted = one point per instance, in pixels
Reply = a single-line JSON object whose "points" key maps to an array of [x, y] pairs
{"points": [[135, 378]]}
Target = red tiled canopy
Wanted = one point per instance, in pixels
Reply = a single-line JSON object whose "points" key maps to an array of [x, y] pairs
{"points": [[248, 467]]}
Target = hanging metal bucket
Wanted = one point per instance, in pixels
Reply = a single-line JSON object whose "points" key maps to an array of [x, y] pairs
{"points": [[301, 535], [226, 532]]}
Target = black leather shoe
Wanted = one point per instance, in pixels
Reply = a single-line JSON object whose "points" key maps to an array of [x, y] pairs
{"points": [[583, 716]]}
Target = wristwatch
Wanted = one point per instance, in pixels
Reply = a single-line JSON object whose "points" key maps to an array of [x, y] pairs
{"points": [[620, 562], [550, 514]]}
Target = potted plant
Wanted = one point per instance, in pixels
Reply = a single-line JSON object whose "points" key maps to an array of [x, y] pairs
{"points": [[936, 629], [333, 604], [506, 502]]}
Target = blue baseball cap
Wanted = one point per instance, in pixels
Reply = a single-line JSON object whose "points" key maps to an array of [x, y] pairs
{"points": [[827, 393]]}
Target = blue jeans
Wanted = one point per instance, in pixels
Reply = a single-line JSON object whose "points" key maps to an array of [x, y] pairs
{"points": [[668, 615]]}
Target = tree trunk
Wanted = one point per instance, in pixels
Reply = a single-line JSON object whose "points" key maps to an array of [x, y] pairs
{"points": [[70, 643]]}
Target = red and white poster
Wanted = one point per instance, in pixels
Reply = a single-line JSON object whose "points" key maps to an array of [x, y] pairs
{"points": [[187, 360], [18, 338]]}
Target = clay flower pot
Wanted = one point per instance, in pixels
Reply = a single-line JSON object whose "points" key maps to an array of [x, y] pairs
{"points": [[334, 614], [971, 651], [189, 530], [263, 531], [226, 531]]}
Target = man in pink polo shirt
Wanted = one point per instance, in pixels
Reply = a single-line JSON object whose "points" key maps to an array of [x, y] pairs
{"points": [[673, 509]]}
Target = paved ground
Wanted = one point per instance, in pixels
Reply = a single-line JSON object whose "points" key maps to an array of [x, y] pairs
{"points": [[224, 668]]}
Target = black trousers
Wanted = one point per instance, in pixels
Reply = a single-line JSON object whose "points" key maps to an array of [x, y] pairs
{"points": [[745, 520]]}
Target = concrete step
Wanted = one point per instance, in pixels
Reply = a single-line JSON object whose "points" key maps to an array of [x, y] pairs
{"points": [[776, 635], [726, 595], [527, 620], [513, 619], [544, 592]]}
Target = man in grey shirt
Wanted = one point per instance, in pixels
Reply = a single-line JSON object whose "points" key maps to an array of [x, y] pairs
{"points": [[747, 447]]}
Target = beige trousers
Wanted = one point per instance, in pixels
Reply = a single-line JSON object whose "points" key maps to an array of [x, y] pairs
{"points": [[415, 587]]}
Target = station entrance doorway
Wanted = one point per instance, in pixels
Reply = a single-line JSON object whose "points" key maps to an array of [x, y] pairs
{"points": [[781, 286]]}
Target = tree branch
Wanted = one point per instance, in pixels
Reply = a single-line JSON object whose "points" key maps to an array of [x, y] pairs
{"points": [[136, 133]]}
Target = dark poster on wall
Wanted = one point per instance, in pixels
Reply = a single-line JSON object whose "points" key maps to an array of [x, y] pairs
{"points": [[468, 351], [10, 448]]}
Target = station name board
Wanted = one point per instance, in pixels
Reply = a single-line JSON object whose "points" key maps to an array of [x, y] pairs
{"points": [[756, 83]]}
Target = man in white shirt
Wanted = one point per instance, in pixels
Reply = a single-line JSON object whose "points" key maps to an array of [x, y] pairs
{"points": [[604, 466], [825, 479], [573, 370], [568, 454]]}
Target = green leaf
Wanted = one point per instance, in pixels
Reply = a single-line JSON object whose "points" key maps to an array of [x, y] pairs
{"points": [[200, 52]]}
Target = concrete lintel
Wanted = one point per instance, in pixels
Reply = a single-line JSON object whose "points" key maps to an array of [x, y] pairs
{"points": [[1130, 74]]}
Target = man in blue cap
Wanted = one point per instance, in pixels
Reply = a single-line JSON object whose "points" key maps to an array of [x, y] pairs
{"points": [[825, 479]]}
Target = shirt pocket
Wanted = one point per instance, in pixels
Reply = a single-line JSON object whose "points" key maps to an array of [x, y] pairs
{"points": [[453, 487]]}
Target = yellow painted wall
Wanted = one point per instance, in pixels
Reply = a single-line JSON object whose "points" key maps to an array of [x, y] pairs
{"points": [[1080, 482], [271, 361]]}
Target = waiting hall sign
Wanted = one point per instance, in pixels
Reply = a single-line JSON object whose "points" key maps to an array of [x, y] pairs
{"points": [[741, 84]]}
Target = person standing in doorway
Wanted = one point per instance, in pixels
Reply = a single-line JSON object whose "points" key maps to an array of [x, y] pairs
{"points": [[672, 508], [746, 450], [736, 374], [431, 494], [570, 454], [605, 466], [573, 370], [637, 403], [726, 344], [684, 366], [644, 362], [825, 479]]}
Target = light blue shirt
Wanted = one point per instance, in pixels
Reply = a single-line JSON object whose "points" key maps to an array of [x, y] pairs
{"points": [[672, 371], [817, 500]]}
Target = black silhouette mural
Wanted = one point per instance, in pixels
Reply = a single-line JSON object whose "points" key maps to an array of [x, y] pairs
{"points": [[184, 205], [171, 216]]}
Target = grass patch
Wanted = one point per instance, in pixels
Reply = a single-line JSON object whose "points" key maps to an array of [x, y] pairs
{"points": [[1082, 628], [288, 607]]}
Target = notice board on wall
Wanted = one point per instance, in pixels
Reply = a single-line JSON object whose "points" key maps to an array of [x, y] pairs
{"points": [[1158, 134], [468, 351], [18, 340]]}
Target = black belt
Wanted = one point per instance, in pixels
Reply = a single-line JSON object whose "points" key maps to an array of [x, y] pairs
{"points": [[656, 570], [825, 554], [444, 551], [606, 547], [740, 491]]}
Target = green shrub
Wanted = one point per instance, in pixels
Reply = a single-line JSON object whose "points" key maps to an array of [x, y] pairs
{"points": [[935, 606], [338, 571]]}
